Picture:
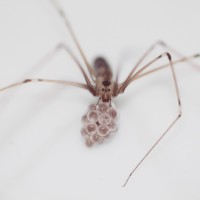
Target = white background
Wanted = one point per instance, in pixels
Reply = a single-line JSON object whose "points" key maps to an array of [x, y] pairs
{"points": [[42, 155]]}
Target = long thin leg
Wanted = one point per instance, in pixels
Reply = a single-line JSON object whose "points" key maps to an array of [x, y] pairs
{"points": [[158, 43], [63, 16], [173, 51], [125, 83], [121, 87], [68, 83], [151, 149], [164, 66], [90, 86], [63, 46], [173, 122], [52, 53]]}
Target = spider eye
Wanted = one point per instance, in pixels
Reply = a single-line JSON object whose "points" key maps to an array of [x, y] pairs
{"points": [[103, 89], [108, 90]]}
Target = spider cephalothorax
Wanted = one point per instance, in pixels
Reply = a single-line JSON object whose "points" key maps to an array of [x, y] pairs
{"points": [[104, 83]]}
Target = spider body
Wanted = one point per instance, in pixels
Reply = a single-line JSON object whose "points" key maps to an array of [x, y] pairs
{"points": [[105, 86]]}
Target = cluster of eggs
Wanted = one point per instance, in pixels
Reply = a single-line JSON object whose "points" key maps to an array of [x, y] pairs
{"points": [[99, 122]]}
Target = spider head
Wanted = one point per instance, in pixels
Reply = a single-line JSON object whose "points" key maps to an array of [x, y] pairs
{"points": [[105, 90]]}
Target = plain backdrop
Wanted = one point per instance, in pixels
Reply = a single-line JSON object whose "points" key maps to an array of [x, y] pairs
{"points": [[42, 154]]}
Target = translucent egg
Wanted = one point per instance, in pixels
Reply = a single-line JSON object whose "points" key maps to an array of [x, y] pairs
{"points": [[102, 107], [104, 119], [84, 119], [97, 138], [103, 130], [112, 112], [91, 128], [92, 106], [113, 126], [88, 142], [92, 116], [98, 122], [83, 132]]}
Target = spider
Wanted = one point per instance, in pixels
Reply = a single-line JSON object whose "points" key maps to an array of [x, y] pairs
{"points": [[100, 119]]}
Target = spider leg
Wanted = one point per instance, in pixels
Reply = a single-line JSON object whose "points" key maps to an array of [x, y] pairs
{"points": [[61, 46], [173, 51], [152, 47], [184, 59], [68, 51], [176, 118], [68, 83], [62, 14], [52, 53]]}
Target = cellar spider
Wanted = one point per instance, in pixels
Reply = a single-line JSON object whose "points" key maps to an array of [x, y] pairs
{"points": [[100, 119]]}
